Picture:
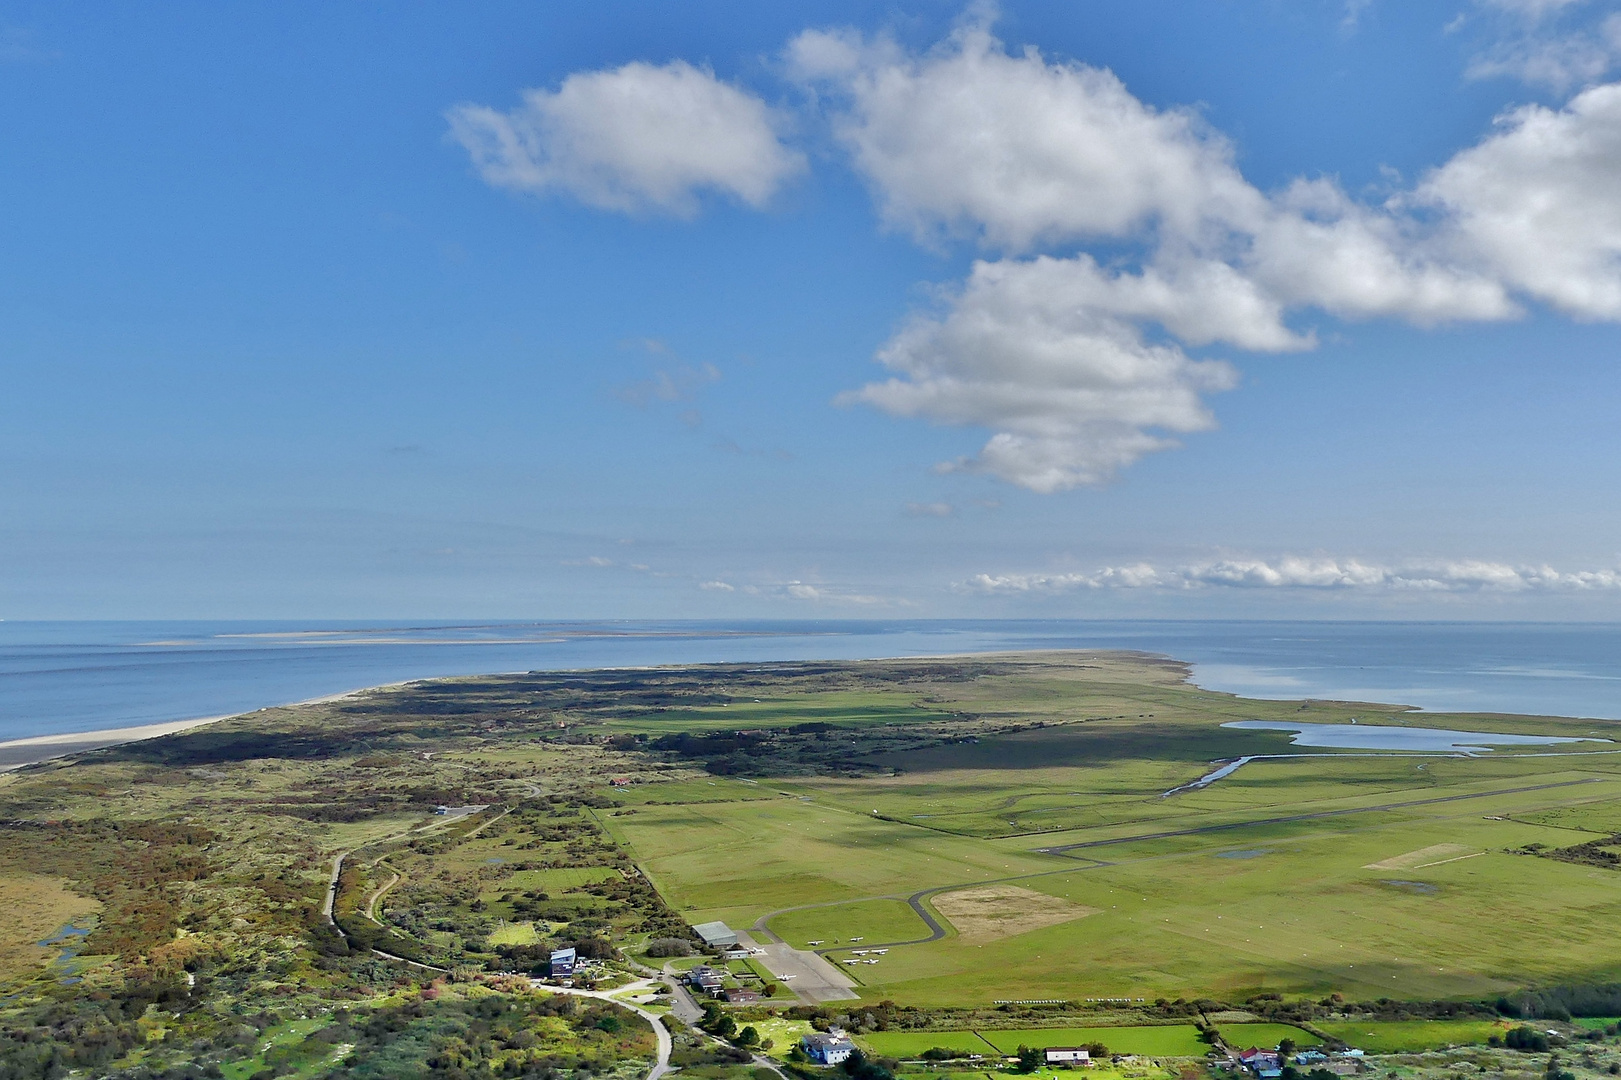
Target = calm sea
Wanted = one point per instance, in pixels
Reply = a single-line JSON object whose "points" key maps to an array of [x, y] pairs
{"points": [[84, 676]]}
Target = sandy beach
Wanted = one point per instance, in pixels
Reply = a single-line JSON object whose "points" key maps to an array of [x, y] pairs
{"points": [[19, 752], [15, 753]]}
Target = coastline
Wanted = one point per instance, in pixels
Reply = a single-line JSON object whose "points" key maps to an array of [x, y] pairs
{"points": [[34, 749]]}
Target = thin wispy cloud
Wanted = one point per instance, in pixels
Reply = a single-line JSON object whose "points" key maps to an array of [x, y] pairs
{"points": [[670, 385], [1554, 44], [1307, 573]]}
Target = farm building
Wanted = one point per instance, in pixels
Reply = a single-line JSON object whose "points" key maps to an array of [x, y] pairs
{"points": [[1263, 1063], [742, 997], [562, 962], [717, 935], [828, 1048], [1067, 1055]]}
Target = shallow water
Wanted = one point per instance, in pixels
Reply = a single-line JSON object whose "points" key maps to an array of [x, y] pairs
{"points": [[1387, 737], [86, 676]]}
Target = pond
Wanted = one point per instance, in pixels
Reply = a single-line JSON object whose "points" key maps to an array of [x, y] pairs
{"points": [[1386, 737]]}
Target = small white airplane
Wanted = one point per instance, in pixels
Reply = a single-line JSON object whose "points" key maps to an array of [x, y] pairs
{"points": [[859, 952], [869, 961], [785, 978], [879, 952], [855, 939], [852, 961], [818, 941]]}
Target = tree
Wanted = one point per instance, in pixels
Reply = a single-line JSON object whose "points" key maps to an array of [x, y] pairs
{"points": [[726, 1027], [748, 1036], [1029, 1059], [770, 989], [1286, 1047]]}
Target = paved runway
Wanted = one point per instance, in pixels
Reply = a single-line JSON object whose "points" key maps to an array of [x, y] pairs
{"points": [[815, 979]]}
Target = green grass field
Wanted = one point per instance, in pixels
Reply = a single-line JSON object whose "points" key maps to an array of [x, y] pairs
{"points": [[1266, 1036], [879, 920], [1370, 876], [911, 1044], [1170, 1040], [519, 933], [1595, 1023], [558, 879], [1400, 1036]]}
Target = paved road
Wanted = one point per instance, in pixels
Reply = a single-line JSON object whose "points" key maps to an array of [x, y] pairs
{"points": [[660, 1032]]}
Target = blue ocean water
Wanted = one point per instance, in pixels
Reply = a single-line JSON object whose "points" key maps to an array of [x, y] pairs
{"points": [[85, 676]]}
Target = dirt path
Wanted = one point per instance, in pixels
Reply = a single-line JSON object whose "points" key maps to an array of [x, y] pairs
{"points": [[371, 903]]}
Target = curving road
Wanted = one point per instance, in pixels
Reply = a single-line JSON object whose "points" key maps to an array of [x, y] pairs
{"points": [[660, 1032]]}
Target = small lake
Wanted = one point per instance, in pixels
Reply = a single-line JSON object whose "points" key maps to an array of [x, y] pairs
{"points": [[1386, 737]]}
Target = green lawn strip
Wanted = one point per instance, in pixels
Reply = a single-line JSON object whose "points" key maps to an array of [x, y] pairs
{"points": [[911, 1044], [1265, 1036], [1169, 1040], [1398, 1036], [1595, 1023]]}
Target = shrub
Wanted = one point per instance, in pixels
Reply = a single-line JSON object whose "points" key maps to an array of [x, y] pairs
{"points": [[669, 946]]}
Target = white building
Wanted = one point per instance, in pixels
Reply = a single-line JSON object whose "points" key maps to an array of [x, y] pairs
{"points": [[828, 1048]]}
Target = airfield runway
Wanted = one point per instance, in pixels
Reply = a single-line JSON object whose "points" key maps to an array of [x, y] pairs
{"points": [[815, 979]]}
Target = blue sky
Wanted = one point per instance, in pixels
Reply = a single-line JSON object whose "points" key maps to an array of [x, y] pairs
{"points": [[721, 310]]}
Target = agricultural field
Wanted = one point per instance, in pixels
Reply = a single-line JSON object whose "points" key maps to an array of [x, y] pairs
{"points": [[1167, 1040], [1396, 1036], [1267, 1036], [910, 1044]]}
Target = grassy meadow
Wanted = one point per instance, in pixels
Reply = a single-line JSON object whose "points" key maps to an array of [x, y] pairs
{"points": [[1397, 1036], [1279, 889]]}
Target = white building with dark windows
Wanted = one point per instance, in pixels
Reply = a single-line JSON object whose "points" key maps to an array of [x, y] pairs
{"points": [[828, 1047]]}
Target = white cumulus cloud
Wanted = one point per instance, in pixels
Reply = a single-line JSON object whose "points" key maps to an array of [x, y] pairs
{"points": [[1075, 392], [1118, 238], [1078, 367], [1537, 204], [637, 139]]}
